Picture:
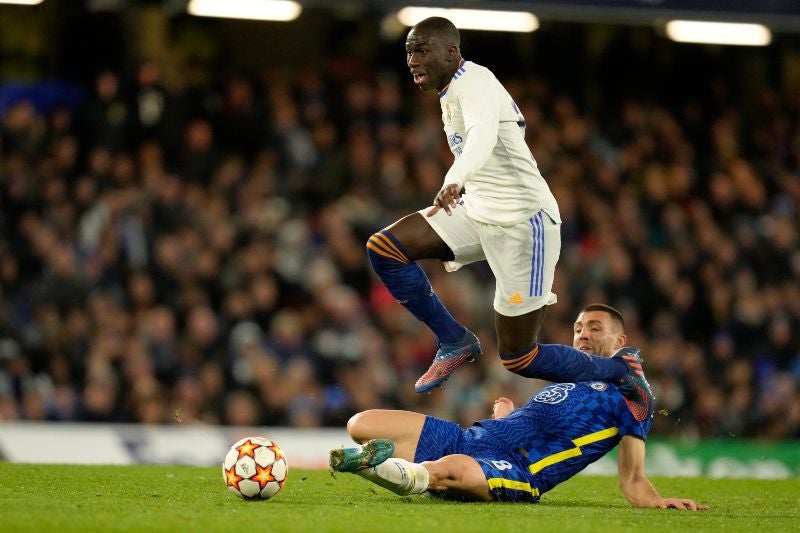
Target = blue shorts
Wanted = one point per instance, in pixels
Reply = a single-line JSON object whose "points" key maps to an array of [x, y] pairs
{"points": [[506, 471]]}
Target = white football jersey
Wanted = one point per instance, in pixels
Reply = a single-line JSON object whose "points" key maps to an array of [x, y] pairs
{"points": [[486, 133]]}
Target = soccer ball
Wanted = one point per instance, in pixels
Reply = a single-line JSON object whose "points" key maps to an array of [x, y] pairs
{"points": [[255, 468]]}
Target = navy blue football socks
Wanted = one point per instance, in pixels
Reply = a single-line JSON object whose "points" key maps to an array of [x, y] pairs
{"points": [[409, 285], [562, 363]]}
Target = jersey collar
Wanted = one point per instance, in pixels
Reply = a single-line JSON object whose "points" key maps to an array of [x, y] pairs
{"points": [[444, 90]]}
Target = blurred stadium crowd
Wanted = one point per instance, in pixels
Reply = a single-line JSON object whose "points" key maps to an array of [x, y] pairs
{"points": [[194, 253]]}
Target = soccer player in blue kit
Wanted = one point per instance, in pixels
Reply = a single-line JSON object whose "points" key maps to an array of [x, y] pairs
{"points": [[494, 204], [519, 454]]}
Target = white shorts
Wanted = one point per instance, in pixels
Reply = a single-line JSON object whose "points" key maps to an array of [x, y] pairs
{"points": [[522, 257]]}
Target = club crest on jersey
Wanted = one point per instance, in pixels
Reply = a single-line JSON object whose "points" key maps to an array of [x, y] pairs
{"points": [[556, 393], [598, 385]]}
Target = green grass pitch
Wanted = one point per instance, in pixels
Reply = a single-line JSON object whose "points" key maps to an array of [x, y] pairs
{"points": [[160, 498]]}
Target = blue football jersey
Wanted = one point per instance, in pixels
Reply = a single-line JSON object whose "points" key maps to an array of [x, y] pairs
{"points": [[565, 427]]}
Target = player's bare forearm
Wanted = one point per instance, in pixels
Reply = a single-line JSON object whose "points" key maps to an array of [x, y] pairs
{"points": [[636, 487], [640, 492]]}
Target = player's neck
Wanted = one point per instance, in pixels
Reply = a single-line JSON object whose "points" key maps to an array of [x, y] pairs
{"points": [[452, 72]]}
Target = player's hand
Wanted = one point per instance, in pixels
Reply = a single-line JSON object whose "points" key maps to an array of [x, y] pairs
{"points": [[447, 199], [685, 504], [502, 407]]}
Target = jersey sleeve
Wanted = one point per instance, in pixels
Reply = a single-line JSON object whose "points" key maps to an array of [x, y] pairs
{"points": [[476, 94], [630, 426]]}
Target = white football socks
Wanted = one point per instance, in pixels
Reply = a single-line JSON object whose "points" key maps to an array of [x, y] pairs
{"points": [[399, 476]]}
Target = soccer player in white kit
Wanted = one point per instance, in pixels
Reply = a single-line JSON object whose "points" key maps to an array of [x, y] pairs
{"points": [[494, 205]]}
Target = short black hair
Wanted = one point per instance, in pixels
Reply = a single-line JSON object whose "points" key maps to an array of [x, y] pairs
{"points": [[441, 27], [616, 316]]}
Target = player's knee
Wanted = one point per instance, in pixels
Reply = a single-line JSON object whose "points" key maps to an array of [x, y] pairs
{"points": [[384, 252], [371, 244], [358, 426], [354, 426], [519, 362]]}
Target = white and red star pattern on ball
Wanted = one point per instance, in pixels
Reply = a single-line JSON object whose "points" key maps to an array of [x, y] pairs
{"points": [[255, 468]]}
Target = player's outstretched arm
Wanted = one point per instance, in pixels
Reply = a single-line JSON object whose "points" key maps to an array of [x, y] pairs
{"points": [[637, 488]]}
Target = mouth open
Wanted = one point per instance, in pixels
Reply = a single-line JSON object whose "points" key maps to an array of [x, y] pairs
{"points": [[419, 77]]}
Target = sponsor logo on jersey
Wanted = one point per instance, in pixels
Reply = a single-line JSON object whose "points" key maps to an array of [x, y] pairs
{"points": [[454, 140]]}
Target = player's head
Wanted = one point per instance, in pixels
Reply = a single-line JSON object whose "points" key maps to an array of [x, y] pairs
{"points": [[433, 53], [599, 329]]}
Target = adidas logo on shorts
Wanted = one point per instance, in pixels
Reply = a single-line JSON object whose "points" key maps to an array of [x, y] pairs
{"points": [[516, 299]]}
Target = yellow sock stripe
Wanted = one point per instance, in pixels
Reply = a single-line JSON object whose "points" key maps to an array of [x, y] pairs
{"points": [[378, 248], [380, 251], [522, 361], [572, 452], [382, 245], [498, 482], [388, 244]]}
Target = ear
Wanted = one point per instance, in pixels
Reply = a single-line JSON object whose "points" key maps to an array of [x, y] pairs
{"points": [[453, 52], [620, 342]]}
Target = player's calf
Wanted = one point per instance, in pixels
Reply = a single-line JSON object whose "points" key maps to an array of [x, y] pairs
{"points": [[409, 285]]}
